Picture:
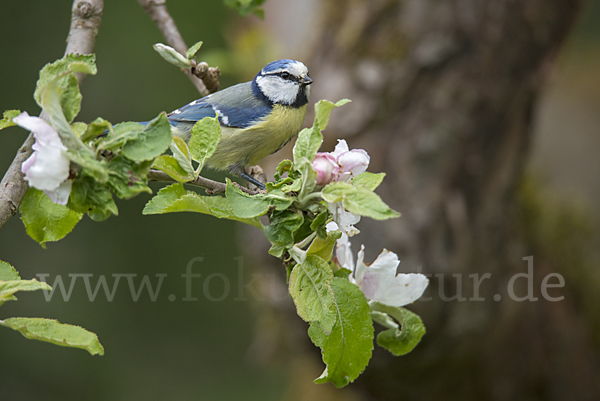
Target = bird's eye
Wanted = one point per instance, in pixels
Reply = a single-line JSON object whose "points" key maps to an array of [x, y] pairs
{"points": [[285, 75]]}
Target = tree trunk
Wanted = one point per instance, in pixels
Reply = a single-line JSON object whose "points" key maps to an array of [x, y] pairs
{"points": [[443, 96]]}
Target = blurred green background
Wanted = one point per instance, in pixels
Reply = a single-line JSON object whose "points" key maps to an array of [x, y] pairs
{"points": [[203, 349]]}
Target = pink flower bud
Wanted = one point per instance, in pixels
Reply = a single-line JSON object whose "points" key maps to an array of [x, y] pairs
{"points": [[326, 167]]}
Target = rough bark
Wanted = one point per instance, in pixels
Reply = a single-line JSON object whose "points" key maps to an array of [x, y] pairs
{"points": [[443, 96]]}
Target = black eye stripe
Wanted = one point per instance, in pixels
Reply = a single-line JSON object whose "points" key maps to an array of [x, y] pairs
{"points": [[282, 74]]}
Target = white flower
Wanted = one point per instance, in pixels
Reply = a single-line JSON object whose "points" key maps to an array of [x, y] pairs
{"points": [[47, 168], [351, 162], [379, 281], [344, 219]]}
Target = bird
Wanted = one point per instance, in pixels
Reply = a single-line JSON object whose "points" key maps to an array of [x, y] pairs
{"points": [[257, 118]]}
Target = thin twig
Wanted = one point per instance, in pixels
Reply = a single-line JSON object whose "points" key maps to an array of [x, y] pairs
{"points": [[214, 187], [204, 78], [86, 16]]}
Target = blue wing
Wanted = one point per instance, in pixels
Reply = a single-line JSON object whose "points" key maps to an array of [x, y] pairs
{"points": [[236, 106]]}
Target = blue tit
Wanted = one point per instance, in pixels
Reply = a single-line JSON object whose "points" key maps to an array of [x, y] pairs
{"points": [[257, 118]]}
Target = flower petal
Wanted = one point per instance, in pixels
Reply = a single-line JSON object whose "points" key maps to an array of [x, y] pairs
{"points": [[48, 167], [326, 167], [361, 268], [400, 290], [340, 148], [343, 252], [61, 194], [344, 219], [352, 163]]}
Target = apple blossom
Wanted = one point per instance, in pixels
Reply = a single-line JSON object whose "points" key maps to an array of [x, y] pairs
{"points": [[379, 281], [47, 168], [326, 167], [340, 165]]}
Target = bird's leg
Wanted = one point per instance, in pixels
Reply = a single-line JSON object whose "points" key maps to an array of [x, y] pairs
{"points": [[253, 180], [252, 177]]}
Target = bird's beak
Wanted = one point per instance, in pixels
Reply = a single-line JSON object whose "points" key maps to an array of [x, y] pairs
{"points": [[306, 80]]}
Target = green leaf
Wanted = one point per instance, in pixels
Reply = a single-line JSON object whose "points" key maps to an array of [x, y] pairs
{"points": [[283, 226], [140, 142], [323, 248], [181, 153], [248, 206], [358, 200], [8, 288], [7, 118], [283, 167], [175, 198], [307, 145], [96, 128], [51, 101], [97, 169], [52, 331], [45, 220], [206, 134], [398, 341], [62, 73], [172, 56], [128, 178], [89, 196], [310, 288], [323, 110], [347, 350], [191, 53], [169, 165], [7, 272], [368, 180], [151, 142]]}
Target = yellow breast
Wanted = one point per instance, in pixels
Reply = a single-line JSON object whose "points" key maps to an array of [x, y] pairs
{"points": [[246, 147]]}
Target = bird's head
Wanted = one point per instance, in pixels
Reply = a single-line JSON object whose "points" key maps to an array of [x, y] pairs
{"points": [[284, 82]]}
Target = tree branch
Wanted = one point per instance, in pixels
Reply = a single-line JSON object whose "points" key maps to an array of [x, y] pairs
{"points": [[86, 16], [214, 187], [204, 78]]}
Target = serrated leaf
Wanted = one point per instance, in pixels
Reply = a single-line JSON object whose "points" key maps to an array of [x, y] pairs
{"points": [[181, 153], [206, 134], [89, 196], [175, 198], [309, 285], [91, 167], [127, 177], [398, 341], [151, 142], [248, 206], [51, 102], [169, 165], [54, 332], [96, 128], [7, 272], [139, 142], [283, 226], [191, 53], [8, 288], [7, 118], [323, 110], [368, 180], [63, 69], [358, 200], [307, 145], [44, 220], [323, 248], [347, 350]]}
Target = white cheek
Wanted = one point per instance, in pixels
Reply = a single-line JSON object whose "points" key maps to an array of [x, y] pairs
{"points": [[277, 89]]}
